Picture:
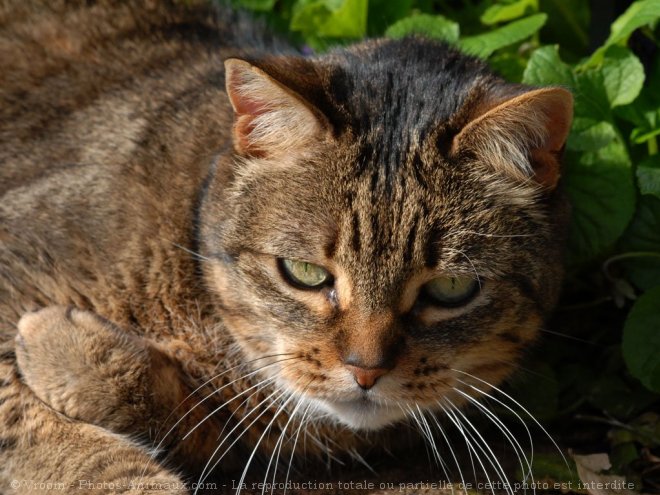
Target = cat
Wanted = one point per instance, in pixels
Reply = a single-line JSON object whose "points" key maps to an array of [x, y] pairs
{"points": [[209, 241]]}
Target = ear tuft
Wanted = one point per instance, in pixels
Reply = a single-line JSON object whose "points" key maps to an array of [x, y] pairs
{"points": [[269, 117], [523, 136]]}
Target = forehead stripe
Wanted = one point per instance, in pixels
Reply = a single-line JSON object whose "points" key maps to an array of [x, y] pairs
{"points": [[355, 238]]}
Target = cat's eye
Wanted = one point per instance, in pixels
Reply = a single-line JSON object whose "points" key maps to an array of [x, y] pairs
{"points": [[305, 275], [451, 291]]}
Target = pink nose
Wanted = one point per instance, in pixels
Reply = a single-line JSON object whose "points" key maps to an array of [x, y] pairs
{"points": [[366, 378]]}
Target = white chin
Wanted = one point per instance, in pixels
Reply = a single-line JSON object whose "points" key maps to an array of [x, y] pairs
{"points": [[362, 414]]}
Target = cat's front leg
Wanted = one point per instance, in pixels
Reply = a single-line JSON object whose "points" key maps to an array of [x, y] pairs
{"points": [[44, 452], [88, 369]]}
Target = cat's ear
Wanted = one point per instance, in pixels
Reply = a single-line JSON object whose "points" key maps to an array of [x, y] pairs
{"points": [[523, 136], [270, 117]]}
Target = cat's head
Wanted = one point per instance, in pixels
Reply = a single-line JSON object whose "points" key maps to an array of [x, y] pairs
{"points": [[391, 224]]}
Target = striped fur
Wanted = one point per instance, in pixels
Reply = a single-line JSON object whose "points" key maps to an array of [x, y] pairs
{"points": [[141, 187]]}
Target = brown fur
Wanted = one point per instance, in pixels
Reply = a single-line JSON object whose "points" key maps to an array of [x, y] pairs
{"points": [[138, 187]]}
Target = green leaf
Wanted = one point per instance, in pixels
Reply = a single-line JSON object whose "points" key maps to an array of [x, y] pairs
{"points": [[383, 13], [644, 112], [509, 64], [483, 45], [591, 98], [648, 175], [258, 5], [590, 135], [616, 81], [623, 76], [551, 466], [330, 18], [619, 399], [624, 454], [568, 21], [638, 14], [640, 135], [641, 339], [508, 12], [545, 67], [643, 236], [432, 26], [600, 185], [538, 391]]}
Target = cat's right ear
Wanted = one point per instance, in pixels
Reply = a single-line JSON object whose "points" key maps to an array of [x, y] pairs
{"points": [[522, 136], [269, 117]]}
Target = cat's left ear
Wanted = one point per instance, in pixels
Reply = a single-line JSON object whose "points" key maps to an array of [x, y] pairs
{"points": [[524, 136], [271, 117]]}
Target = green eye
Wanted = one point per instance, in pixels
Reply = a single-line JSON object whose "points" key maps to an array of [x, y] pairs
{"points": [[452, 291], [305, 275]]}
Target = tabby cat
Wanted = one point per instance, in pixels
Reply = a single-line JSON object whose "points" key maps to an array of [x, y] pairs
{"points": [[210, 243]]}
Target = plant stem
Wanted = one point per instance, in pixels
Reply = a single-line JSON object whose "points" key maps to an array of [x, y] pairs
{"points": [[619, 424], [623, 256], [585, 305]]}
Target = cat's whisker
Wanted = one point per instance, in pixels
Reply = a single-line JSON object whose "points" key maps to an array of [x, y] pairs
{"points": [[278, 446], [429, 436], [463, 432], [263, 434], [208, 469], [242, 378], [569, 337], [358, 457], [267, 429], [259, 388], [520, 453], [408, 411], [262, 382], [432, 439], [451, 450], [490, 455], [474, 268], [195, 254], [235, 353], [518, 404], [278, 451], [215, 377], [512, 411], [162, 440], [295, 443], [482, 234], [316, 440], [470, 450], [160, 443]]}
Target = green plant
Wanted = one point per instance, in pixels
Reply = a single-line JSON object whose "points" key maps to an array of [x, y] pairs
{"points": [[606, 366]]}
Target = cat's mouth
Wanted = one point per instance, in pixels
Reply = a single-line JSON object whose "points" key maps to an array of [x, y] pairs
{"points": [[363, 413]]}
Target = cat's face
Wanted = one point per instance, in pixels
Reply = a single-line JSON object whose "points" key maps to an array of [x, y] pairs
{"points": [[383, 262]]}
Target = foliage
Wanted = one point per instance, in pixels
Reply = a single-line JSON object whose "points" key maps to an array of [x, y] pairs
{"points": [[608, 362]]}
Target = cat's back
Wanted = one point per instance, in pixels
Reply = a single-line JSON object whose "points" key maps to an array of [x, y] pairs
{"points": [[110, 113], [92, 83]]}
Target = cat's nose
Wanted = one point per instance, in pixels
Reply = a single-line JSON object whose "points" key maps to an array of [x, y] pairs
{"points": [[366, 377]]}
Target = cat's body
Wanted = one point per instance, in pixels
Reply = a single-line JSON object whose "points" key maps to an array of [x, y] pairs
{"points": [[122, 194], [90, 121]]}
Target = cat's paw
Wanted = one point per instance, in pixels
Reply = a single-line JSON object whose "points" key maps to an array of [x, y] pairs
{"points": [[80, 364]]}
